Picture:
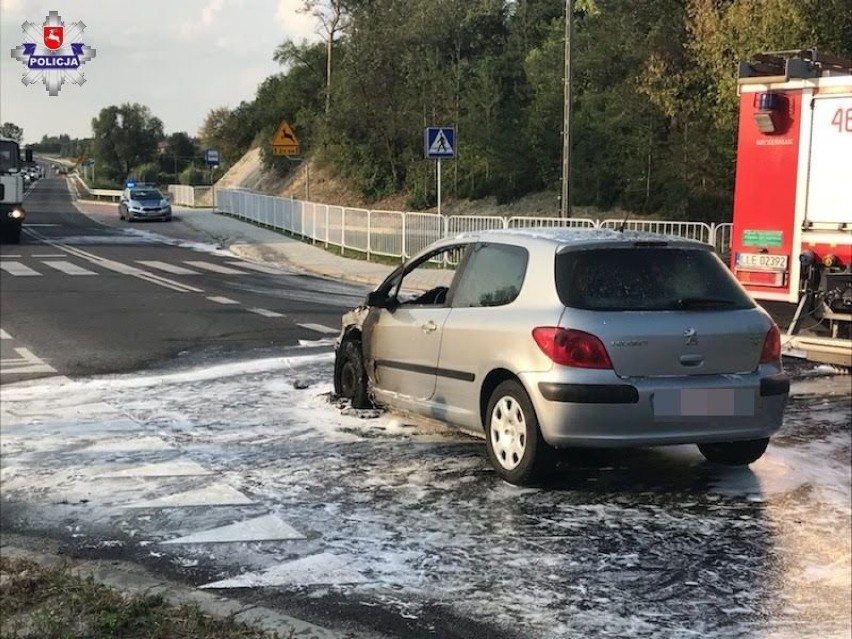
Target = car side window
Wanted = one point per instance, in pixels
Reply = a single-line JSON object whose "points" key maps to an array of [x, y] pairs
{"points": [[428, 282], [492, 277]]}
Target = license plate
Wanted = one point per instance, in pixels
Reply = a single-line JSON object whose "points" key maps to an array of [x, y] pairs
{"points": [[704, 402], [762, 261]]}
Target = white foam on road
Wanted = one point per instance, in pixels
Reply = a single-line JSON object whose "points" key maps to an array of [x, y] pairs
{"points": [[266, 528]]}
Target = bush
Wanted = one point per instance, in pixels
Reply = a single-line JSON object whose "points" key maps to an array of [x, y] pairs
{"points": [[194, 176], [148, 172]]}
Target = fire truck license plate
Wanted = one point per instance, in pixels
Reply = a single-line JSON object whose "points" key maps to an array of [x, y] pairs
{"points": [[762, 261]]}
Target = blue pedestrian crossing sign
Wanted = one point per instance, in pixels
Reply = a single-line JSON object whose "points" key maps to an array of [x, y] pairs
{"points": [[439, 142]]}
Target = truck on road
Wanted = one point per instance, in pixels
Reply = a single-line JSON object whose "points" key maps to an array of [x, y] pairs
{"points": [[12, 212], [792, 225]]}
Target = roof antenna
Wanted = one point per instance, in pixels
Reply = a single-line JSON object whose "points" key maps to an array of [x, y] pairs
{"points": [[624, 222]]}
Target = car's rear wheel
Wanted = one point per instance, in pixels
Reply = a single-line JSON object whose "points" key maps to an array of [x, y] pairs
{"points": [[350, 374], [735, 453], [513, 438]]}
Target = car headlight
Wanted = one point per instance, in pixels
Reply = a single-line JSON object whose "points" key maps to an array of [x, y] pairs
{"points": [[18, 213], [135, 206]]}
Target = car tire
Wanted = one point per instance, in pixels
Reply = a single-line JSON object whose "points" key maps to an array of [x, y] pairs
{"points": [[513, 440], [350, 374], [735, 453]]}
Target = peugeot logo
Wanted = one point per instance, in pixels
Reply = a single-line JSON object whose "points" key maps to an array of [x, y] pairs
{"points": [[691, 336]]}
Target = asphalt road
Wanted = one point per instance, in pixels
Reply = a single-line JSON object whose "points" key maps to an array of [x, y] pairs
{"points": [[81, 297], [197, 437]]}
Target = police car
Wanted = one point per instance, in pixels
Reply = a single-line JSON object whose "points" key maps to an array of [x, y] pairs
{"points": [[142, 201]]}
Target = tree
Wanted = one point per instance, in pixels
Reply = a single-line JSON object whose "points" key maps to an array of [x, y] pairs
{"points": [[13, 131], [125, 136], [334, 19]]}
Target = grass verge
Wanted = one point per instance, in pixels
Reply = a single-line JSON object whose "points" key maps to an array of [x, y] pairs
{"points": [[50, 602]]}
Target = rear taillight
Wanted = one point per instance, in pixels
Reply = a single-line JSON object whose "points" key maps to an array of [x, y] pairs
{"points": [[771, 352], [571, 348]]}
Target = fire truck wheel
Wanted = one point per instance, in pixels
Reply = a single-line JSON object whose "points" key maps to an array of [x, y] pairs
{"points": [[735, 453]]}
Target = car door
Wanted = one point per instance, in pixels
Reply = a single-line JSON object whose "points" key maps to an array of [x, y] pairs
{"points": [[483, 328], [405, 338]]}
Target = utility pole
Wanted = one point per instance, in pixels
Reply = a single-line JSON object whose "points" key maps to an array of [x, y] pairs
{"points": [[565, 206]]}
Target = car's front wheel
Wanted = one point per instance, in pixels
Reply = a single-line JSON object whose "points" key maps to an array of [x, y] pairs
{"points": [[735, 453], [513, 438], [350, 374]]}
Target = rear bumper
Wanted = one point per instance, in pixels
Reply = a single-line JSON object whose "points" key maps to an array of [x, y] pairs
{"points": [[605, 411]]}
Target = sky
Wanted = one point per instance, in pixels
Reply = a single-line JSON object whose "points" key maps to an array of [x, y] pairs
{"points": [[181, 58]]}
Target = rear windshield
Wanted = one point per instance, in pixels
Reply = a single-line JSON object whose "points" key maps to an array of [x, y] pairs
{"points": [[647, 278]]}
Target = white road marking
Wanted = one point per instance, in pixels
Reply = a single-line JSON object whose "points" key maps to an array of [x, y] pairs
{"points": [[9, 257], [214, 268], [26, 362], [4, 334], [266, 528], [29, 226], [68, 267], [168, 268], [222, 300], [118, 267], [176, 468], [319, 328], [314, 570], [265, 312], [16, 268], [261, 268], [213, 495], [39, 255]]}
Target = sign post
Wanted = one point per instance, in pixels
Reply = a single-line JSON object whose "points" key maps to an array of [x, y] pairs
{"points": [[285, 142], [212, 159], [439, 143]]}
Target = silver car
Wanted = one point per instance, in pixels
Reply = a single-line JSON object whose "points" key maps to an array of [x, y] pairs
{"points": [[552, 338]]}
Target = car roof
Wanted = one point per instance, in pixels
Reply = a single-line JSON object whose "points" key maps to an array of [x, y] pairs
{"points": [[566, 238]]}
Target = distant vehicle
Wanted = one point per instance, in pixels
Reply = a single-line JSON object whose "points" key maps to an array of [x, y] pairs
{"points": [[551, 338], [12, 212], [143, 203]]}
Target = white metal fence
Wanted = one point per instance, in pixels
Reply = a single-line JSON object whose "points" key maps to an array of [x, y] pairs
{"points": [[399, 234], [184, 195]]}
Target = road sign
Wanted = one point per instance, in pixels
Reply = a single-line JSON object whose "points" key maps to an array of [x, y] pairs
{"points": [[285, 142], [212, 157], [439, 143]]}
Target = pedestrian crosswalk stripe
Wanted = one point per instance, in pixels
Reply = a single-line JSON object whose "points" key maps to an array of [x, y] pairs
{"points": [[68, 268], [319, 328], [168, 268], [265, 312], [214, 268], [4, 334], [261, 268], [222, 300], [16, 268]]}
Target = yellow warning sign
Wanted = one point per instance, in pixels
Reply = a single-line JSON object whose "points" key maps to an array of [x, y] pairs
{"points": [[285, 142]]}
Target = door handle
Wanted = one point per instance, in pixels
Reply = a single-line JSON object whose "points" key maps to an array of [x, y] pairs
{"points": [[429, 327]]}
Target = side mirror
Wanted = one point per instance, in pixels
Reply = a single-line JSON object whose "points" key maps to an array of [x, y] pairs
{"points": [[378, 299]]}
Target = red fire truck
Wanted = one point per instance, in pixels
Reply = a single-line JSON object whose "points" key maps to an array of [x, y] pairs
{"points": [[792, 227]]}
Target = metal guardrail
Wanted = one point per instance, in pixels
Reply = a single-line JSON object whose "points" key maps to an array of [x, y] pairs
{"points": [[112, 194], [403, 234]]}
